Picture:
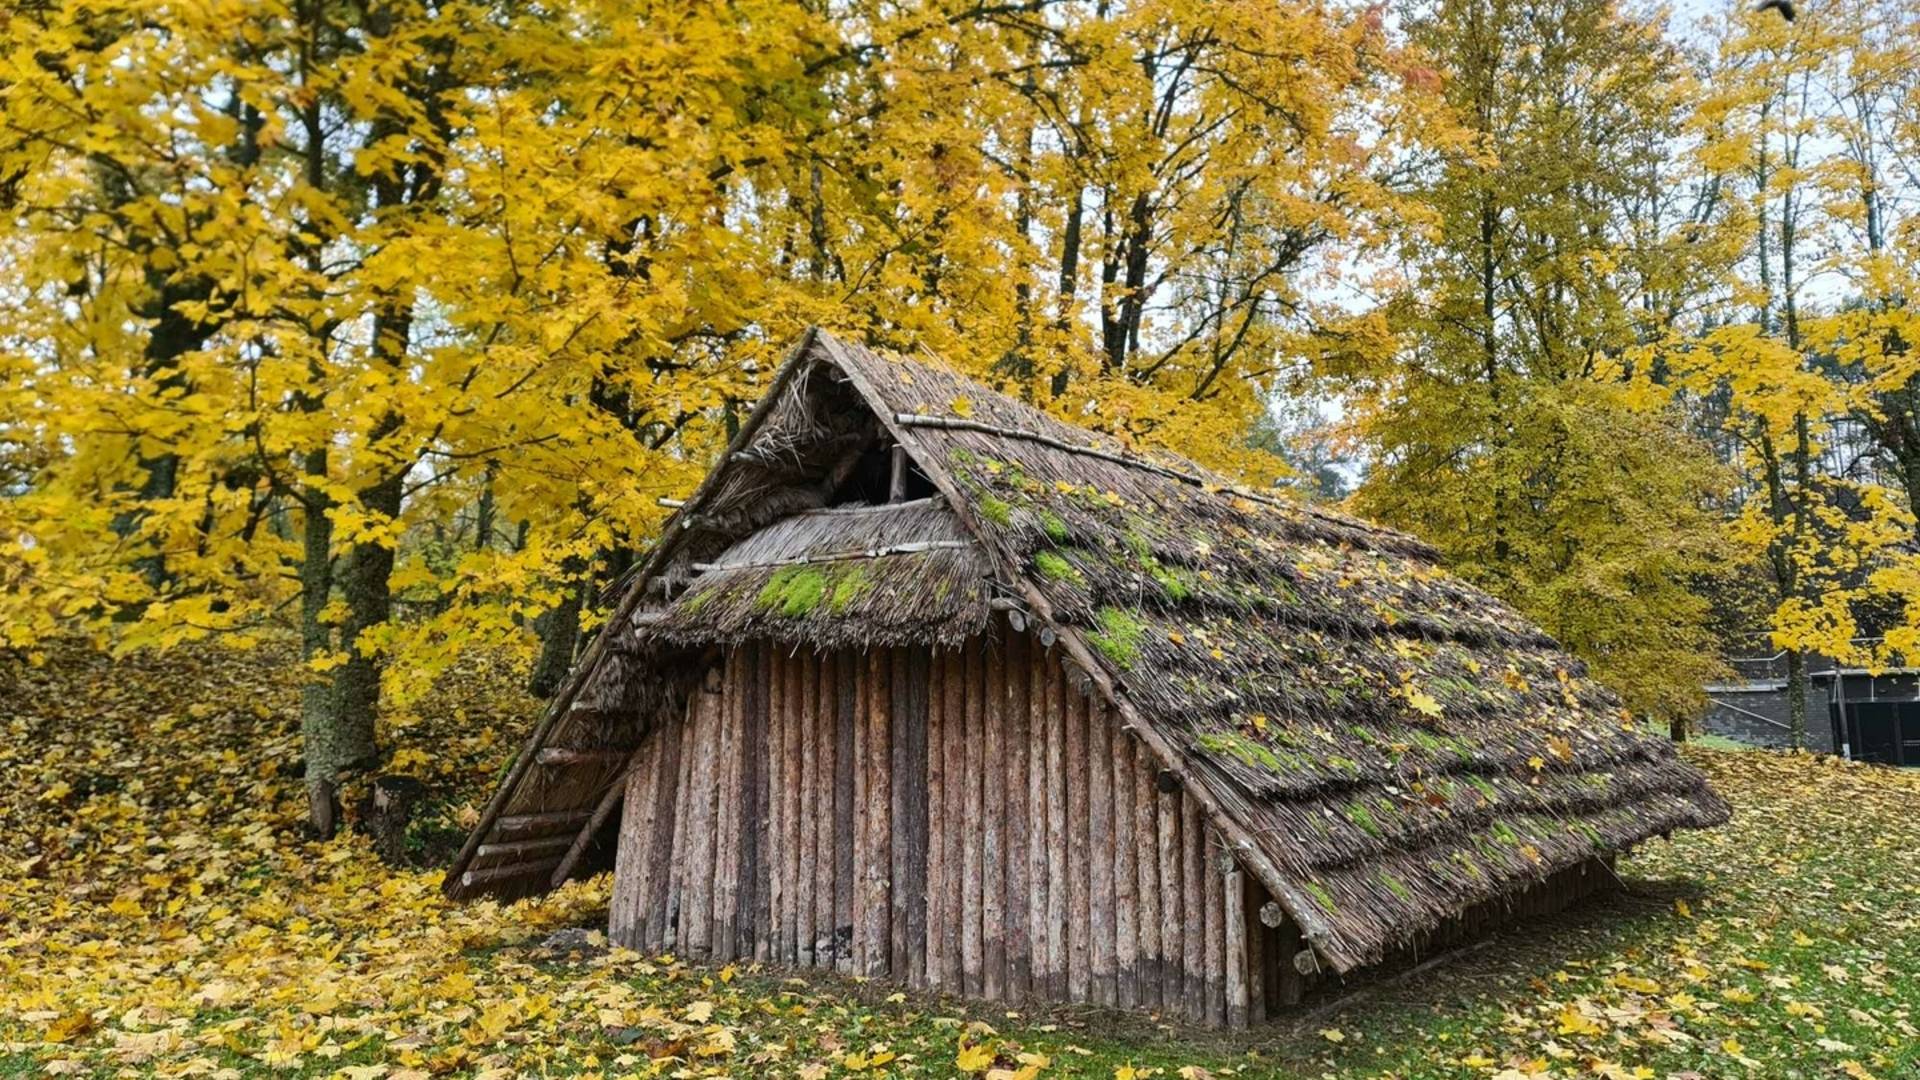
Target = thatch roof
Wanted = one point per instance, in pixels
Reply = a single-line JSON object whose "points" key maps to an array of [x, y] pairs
{"points": [[1385, 746]]}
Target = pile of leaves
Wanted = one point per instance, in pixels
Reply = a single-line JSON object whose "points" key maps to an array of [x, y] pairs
{"points": [[162, 913]]}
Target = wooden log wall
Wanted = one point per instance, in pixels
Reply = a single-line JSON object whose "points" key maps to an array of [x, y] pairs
{"points": [[969, 821]]}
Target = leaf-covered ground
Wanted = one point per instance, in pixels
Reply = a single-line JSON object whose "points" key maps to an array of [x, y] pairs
{"points": [[161, 914]]}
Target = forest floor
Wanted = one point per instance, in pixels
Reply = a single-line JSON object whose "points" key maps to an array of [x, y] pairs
{"points": [[161, 914]]}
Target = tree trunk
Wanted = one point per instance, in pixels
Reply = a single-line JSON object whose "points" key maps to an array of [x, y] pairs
{"points": [[1797, 698], [318, 730], [559, 631]]}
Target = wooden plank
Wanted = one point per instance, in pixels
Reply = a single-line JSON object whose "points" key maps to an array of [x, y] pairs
{"points": [[953, 690], [1014, 752], [972, 879], [1173, 897], [1057, 861], [1125, 936], [1146, 838], [1078, 850], [1233, 888], [937, 891], [993, 817], [877, 888], [1100, 891]]}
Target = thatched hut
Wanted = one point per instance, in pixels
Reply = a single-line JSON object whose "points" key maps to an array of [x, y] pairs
{"points": [[924, 684]]}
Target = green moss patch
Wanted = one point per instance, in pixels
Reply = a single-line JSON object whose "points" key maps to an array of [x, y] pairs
{"points": [[794, 590], [997, 510], [1054, 567], [1118, 636], [848, 587]]}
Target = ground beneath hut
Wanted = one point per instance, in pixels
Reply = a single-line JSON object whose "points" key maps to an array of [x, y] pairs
{"points": [[161, 914]]}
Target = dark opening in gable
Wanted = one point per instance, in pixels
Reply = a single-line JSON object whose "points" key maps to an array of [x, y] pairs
{"points": [[873, 479]]}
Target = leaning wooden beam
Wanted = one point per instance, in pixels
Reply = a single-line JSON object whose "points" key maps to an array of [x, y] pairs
{"points": [[913, 547], [582, 840], [562, 756], [673, 535], [510, 871], [952, 423]]}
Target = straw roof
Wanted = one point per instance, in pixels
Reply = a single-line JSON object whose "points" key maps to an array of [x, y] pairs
{"points": [[1384, 745]]}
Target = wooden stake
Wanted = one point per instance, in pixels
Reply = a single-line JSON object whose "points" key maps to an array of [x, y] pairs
{"points": [[972, 880], [993, 818], [630, 862], [1193, 880], [726, 818], [957, 782], [1125, 936], [807, 821], [1146, 835], [1099, 850], [1234, 890], [878, 884], [1173, 899], [912, 668], [1079, 851], [1017, 754], [840, 837], [825, 773], [1056, 846], [938, 891]]}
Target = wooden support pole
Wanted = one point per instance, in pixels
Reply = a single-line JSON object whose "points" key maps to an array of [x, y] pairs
{"points": [[1234, 890], [1173, 897], [848, 851], [1056, 845], [1100, 889], [807, 820], [825, 777], [1079, 849], [1193, 879], [939, 894], [877, 890], [1017, 752], [1146, 839], [972, 770], [957, 783], [1125, 882], [993, 819]]}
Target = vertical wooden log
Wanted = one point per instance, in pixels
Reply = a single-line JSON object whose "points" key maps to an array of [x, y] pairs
{"points": [[696, 907], [806, 867], [840, 835], [1255, 934], [972, 831], [1146, 832], [779, 884], [1016, 753], [796, 712], [826, 776], [1126, 938], [631, 857], [993, 816], [877, 889], [1058, 908], [1234, 888], [676, 935], [1079, 851], [1193, 881], [1214, 970], [957, 783], [727, 809], [915, 671], [1099, 850], [1173, 897], [752, 918], [853, 689], [937, 891], [666, 799], [1039, 845]]}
